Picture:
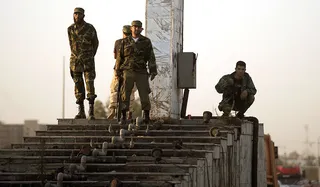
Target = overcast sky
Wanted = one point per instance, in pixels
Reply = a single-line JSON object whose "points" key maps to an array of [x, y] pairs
{"points": [[278, 39]]}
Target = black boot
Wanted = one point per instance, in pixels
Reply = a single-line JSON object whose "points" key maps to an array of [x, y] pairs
{"points": [[81, 114], [240, 115], [91, 112], [91, 107], [146, 116]]}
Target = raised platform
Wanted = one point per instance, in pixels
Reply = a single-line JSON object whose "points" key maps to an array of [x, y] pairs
{"points": [[191, 156]]}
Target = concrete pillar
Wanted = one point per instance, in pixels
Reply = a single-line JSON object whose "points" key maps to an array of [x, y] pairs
{"points": [[164, 27], [201, 173]]}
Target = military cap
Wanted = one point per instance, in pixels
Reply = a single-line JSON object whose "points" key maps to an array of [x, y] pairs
{"points": [[136, 23], [79, 10], [126, 29]]}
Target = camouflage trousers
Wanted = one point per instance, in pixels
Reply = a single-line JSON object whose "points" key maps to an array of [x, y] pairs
{"points": [[235, 103], [114, 93], [79, 87], [141, 80]]}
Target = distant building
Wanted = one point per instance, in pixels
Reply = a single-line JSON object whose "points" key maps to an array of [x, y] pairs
{"points": [[30, 127], [298, 160], [14, 133], [10, 134]]}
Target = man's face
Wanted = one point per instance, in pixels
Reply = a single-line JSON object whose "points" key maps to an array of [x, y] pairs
{"points": [[78, 17], [136, 30], [240, 71]]}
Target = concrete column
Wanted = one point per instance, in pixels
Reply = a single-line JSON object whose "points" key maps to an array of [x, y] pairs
{"points": [[164, 27]]}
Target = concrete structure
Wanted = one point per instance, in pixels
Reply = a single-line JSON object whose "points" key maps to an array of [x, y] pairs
{"points": [[30, 127], [179, 153], [10, 134], [200, 160], [164, 26], [14, 133]]}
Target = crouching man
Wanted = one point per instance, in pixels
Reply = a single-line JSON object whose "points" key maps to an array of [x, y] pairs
{"points": [[237, 91]]}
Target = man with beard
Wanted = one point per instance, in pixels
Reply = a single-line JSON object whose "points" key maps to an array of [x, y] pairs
{"points": [[126, 30], [136, 52], [238, 91], [84, 43]]}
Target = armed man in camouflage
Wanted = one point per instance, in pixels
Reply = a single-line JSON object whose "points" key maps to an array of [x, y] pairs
{"points": [[136, 52], [238, 91], [126, 30], [84, 43]]}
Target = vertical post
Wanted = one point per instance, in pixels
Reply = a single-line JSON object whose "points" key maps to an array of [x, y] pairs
{"points": [[42, 147], [255, 139], [164, 27], [63, 87], [318, 164], [184, 103]]}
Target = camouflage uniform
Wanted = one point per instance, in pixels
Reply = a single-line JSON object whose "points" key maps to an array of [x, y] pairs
{"points": [[232, 89], [84, 43], [115, 80], [114, 93], [132, 64]]}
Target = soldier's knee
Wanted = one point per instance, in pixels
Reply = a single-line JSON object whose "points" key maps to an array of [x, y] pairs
{"points": [[228, 91], [250, 99], [225, 108], [90, 81], [90, 76], [77, 78]]}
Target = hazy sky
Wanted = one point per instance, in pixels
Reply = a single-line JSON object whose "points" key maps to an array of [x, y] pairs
{"points": [[277, 39]]}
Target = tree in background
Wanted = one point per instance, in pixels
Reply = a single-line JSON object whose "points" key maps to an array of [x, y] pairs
{"points": [[294, 155], [311, 160], [282, 160], [294, 158], [99, 110]]}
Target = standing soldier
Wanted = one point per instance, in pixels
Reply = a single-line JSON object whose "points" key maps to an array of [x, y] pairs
{"points": [[136, 52], [126, 30], [84, 43]]}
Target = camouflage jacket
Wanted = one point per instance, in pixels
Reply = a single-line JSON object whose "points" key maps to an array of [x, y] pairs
{"points": [[227, 81], [116, 47], [135, 55], [84, 43]]}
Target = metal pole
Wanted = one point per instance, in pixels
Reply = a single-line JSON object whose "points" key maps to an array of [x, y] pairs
{"points": [[63, 87]]}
